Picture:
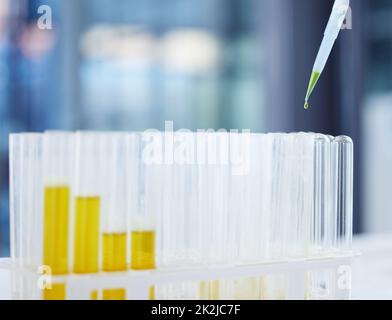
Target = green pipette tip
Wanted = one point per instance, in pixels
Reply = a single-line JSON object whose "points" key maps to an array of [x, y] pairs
{"points": [[312, 83]]}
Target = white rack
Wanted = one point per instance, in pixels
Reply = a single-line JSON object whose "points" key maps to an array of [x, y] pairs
{"points": [[137, 283]]}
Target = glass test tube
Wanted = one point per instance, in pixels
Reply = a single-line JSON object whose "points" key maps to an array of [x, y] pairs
{"points": [[57, 167], [143, 221], [214, 190], [266, 163], [300, 171], [181, 215], [88, 173], [26, 208], [114, 215], [316, 282], [15, 161], [322, 160], [249, 213], [15, 166], [343, 153], [280, 208]]}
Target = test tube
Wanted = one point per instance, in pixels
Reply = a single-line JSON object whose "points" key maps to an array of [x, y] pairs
{"points": [[114, 214], [266, 177], [26, 209], [299, 180], [216, 220], [88, 179], [322, 168], [184, 218], [316, 282], [57, 167], [16, 173], [143, 221], [205, 151], [249, 213], [280, 211], [342, 147]]}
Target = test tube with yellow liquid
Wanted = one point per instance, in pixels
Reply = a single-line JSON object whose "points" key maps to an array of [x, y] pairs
{"points": [[57, 166], [114, 211], [88, 180], [143, 221]]}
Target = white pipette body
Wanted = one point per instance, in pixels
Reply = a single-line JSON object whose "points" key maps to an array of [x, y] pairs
{"points": [[335, 23]]}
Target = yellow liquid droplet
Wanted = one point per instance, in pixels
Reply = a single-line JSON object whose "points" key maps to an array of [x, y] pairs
{"points": [[306, 105]]}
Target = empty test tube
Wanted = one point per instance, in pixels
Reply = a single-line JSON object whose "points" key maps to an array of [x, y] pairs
{"points": [[249, 211], [321, 235], [342, 149], [26, 208], [213, 195], [181, 247]]}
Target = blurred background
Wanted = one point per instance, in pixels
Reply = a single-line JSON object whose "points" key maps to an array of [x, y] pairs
{"points": [[132, 64]]}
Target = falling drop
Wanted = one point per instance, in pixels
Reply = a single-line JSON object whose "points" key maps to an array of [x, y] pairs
{"points": [[306, 105]]}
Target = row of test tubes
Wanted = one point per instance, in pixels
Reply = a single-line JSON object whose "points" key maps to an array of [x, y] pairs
{"points": [[89, 202]]}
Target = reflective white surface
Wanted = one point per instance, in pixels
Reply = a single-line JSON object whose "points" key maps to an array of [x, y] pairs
{"points": [[372, 272]]}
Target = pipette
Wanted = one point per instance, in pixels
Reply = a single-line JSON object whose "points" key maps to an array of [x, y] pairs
{"points": [[331, 33]]}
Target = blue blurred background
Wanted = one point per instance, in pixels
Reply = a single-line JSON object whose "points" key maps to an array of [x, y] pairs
{"points": [[132, 64]]}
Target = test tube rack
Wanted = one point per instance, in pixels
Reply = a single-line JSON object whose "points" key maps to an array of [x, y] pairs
{"points": [[137, 283], [270, 217]]}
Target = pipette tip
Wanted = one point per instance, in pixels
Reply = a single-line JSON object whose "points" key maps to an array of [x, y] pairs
{"points": [[312, 83]]}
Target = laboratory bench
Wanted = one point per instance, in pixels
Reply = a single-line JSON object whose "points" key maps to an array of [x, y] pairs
{"points": [[372, 269]]}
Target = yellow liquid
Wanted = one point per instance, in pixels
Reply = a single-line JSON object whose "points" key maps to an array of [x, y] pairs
{"points": [[86, 234], [263, 288], [143, 253], [56, 220], [312, 83], [151, 293], [248, 289], [56, 227], [209, 290], [143, 250], [114, 294], [94, 295], [114, 252], [114, 259], [57, 292]]}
